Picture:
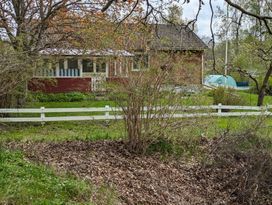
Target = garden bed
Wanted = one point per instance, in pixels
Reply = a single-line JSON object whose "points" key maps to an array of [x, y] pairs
{"points": [[136, 179]]}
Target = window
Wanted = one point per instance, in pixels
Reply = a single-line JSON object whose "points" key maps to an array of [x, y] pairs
{"points": [[101, 66], [72, 64], [61, 64], [140, 62], [87, 66]]}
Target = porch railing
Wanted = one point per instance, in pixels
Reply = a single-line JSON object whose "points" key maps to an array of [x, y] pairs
{"points": [[69, 72], [57, 73], [45, 73]]}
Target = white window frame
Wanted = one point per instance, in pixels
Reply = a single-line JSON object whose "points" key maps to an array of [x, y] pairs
{"points": [[139, 69], [94, 65]]}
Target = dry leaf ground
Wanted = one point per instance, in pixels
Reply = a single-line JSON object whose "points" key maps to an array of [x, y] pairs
{"points": [[136, 179]]}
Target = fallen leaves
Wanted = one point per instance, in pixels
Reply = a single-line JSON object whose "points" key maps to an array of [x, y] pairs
{"points": [[137, 179]]}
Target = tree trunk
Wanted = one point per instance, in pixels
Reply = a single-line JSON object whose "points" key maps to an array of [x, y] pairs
{"points": [[5, 102], [261, 96], [264, 86], [134, 129]]}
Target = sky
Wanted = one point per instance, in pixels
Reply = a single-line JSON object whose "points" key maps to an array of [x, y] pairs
{"points": [[203, 23]]}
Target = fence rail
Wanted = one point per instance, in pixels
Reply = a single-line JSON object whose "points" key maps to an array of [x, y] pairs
{"points": [[110, 113]]}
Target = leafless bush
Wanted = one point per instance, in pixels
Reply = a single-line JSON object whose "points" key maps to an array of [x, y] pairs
{"points": [[149, 105], [242, 163]]}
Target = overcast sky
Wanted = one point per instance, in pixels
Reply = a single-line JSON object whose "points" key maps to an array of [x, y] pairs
{"points": [[203, 23]]}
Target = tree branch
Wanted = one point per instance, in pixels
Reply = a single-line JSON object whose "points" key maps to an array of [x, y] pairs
{"points": [[262, 18]]}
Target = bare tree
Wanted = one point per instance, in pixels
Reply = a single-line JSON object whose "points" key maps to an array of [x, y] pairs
{"points": [[257, 36], [29, 26], [15, 68]]}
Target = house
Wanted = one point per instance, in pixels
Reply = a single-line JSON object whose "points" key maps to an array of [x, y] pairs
{"points": [[86, 70]]}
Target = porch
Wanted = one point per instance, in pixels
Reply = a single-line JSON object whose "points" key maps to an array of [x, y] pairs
{"points": [[85, 67], [78, 74]]}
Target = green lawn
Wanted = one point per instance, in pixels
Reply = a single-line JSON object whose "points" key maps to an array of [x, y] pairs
{"points": [[251, 99], [100, 130], [22, 183], [90, 130], [60, 131], [196, 99], [206, 99], [189, 100]]}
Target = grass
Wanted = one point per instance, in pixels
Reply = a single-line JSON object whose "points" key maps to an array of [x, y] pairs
{"points": [[204, 98], [114, 130], [61, 131], [252, 99], [91, 103], [100, 130], [90, 130], [197, 99], [22, 183]]}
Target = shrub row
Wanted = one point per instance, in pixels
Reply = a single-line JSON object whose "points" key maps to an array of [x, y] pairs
{"points": [[60, 97]]}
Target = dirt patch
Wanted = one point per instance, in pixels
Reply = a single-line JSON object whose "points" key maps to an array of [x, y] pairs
{"points": [[136, 179]]}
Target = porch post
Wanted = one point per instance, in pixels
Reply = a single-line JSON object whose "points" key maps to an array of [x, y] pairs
{"points": [[65, 64], [94, 64], [120, 67], [107, 69], [50, 72], [57, 69], [115, 67], [79, 62], [127, 64]]}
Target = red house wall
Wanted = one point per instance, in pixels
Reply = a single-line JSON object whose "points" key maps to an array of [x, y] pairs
{"points": [[60, 85]]}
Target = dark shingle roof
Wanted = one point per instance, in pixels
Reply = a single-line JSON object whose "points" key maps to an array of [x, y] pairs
{"points": [[173, 37]]}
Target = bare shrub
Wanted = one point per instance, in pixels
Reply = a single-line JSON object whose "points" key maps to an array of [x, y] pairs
{"points": [[149, 104], [242, 164]]}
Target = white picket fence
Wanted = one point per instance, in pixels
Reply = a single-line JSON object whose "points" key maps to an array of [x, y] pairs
{"points": [[111, 113]]}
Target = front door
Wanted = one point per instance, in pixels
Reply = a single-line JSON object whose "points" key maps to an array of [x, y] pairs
{"points": [[98, 71]]}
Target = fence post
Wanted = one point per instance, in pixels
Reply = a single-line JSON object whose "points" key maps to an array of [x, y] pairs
{"points": [[42, 115], [219, 108], [107, 113], [266, 109]]}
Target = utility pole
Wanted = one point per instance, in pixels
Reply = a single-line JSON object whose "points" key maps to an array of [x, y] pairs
{"points": [[227, 42], [227, 48]]}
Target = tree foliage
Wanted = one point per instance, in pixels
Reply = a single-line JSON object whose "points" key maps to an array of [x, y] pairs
{"points": [[175, 14], [247, 30]]}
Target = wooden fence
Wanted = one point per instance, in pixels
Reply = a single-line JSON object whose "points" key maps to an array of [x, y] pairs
{"points": [[111, 113]]}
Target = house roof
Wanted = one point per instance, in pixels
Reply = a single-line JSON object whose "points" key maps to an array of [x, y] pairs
{"points": [[82, 52], [175, 37], [166, 37]]}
